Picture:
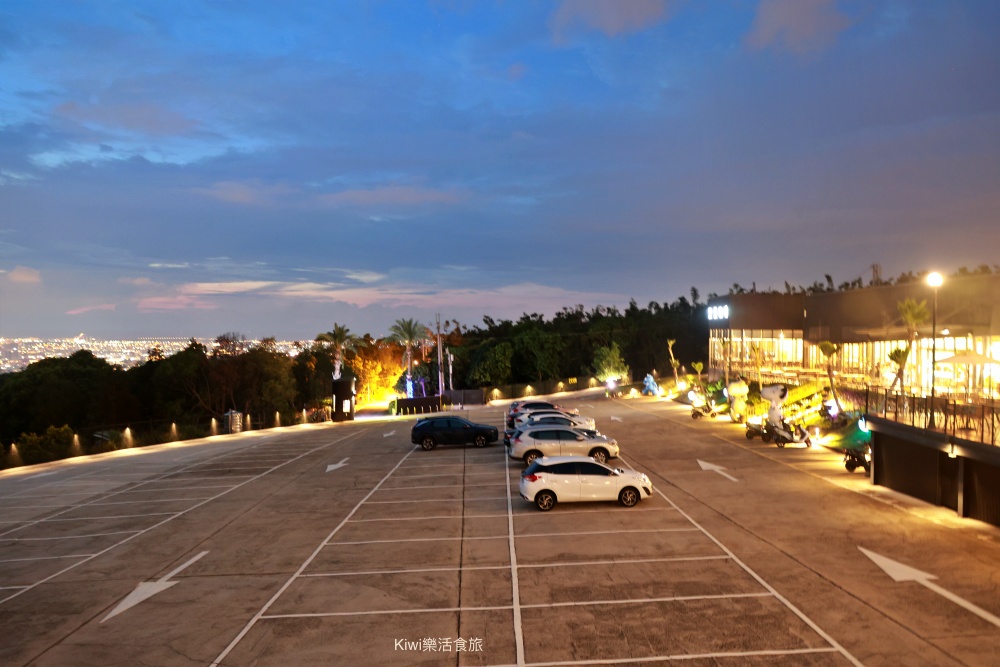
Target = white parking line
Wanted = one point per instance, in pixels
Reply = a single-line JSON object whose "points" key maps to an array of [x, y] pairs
{"points": [[515, 585], [676, 598], [418, 570], [450, 486], [426, 518], [422, 539], [686, 657], [612, 532], [388, 611], [22, 560], [468, 474], [64, 537], [434, 500], [102, 518]]}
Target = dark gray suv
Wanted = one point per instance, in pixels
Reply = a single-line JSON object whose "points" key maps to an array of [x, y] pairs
{"points": [[433, 431]]}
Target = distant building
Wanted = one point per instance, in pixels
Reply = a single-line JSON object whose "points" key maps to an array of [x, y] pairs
{"points": [[781, 333]]}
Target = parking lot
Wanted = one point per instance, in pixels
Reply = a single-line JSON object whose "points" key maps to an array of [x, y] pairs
{"points": [[344, 544]]}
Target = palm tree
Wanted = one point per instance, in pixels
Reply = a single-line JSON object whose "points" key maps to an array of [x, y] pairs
{"points": [[339, 339], [829, 350], [673, 362], [914, 314], [407, 333]]}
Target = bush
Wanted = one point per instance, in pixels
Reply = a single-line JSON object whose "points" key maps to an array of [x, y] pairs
{"points": [[54, 444]]}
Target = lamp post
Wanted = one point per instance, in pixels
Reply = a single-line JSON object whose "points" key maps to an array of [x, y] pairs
{"points": [[935, 280]]}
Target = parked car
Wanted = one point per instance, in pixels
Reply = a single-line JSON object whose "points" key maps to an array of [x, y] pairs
{"points": [[518, 407], [433, 431], [563, 479], [511, 432], [553, 417], [532, 443]]}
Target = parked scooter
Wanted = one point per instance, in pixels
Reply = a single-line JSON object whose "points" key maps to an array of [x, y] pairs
{"points": [[783, 433], [858, 458], [758, 428]]}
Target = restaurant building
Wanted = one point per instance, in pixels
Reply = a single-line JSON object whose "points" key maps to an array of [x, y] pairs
{"points": [[776, 336]]}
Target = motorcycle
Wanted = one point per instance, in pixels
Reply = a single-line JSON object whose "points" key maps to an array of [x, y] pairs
{"points": [[758, 428], [785, 433], [858, 458]]}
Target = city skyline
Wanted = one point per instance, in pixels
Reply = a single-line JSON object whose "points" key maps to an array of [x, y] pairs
{"points": [[270, 170]]}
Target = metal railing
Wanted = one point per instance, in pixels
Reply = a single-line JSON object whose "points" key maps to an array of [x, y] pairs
{"points": [[977, 421]]}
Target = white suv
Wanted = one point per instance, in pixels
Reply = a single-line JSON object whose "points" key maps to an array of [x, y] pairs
{"points": [[531, 443], [553, 479]]}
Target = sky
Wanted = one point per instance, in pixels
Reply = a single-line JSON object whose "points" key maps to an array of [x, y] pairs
{"points": [[194, 168]]}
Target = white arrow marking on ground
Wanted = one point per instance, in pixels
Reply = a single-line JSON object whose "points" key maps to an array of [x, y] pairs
{"points": [[615, 419], [718, 469], [386, 435], [148, 589], [334, 466], [41, 474], [899, 572]]}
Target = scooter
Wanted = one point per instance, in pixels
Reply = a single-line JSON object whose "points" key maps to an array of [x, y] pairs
{"points": [[784, 433], [758, 428], [858, 458], [710, 409]]}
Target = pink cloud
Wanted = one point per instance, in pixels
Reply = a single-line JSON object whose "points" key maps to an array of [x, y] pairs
{"points": [[397, 195], [23, 274], [178, 302], [87, 309], [799, 26], [611, 18], [248, 192]]}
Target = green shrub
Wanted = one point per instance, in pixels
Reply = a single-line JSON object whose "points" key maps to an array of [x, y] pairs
{"points": [[54, 444]]}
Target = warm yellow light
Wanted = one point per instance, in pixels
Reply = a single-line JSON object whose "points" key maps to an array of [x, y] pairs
{"points": [[934, 279]]}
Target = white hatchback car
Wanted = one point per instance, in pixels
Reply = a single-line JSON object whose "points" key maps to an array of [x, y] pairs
{"points": [[563, 479]]}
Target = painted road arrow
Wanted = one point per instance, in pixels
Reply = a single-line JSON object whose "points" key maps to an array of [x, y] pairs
{"points": [[334, 466], [386, 435], [899, 572], [148, 589], [718, 469], [615, 419]]}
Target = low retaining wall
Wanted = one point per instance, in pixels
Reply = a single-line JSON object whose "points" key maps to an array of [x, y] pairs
{"points": [[938, 468]]}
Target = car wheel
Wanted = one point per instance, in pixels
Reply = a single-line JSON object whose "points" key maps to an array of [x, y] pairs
{"points": [[530, 457], [545, 500], [599, 455], [480, 440], [428, 443], [628, 497]]}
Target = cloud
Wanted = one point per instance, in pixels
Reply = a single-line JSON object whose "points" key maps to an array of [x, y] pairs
{"points": [[139, 117], [395, 195], [138, 282], [87, 309], [177, 302], [799, 26], [236, 287], [611, 18], [23, 274], [247, 192]]}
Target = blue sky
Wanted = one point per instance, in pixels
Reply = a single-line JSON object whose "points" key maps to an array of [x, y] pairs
{"points": [[193, 168]]}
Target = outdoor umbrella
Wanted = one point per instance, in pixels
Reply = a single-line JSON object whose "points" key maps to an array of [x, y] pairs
{"points": [[969, 358]]}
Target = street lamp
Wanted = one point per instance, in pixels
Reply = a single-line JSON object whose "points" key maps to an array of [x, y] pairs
{"points": [[935, 280]]}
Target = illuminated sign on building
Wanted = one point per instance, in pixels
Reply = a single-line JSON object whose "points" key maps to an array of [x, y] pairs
{"points": [[718, 312]]}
